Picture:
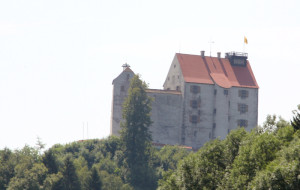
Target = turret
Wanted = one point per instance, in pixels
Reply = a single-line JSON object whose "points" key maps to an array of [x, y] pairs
{"points": [[120, 92]]}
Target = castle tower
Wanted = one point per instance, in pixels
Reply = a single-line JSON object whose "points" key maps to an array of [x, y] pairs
{"points": [[120, 92]]}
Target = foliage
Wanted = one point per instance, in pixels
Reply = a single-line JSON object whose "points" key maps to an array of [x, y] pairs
{"points": [[94, 182], [135, 135], [260, 159], [70, 178], [296, 119]]}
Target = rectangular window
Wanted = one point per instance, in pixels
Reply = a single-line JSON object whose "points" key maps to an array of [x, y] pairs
{"points": [[214, 125], [242, 123], [243, 94], [215, 92], [242, 108], [194, 104], [215, 111], [194, 119], [226, 92], [177, 88], [195, 89], [122, 88]]}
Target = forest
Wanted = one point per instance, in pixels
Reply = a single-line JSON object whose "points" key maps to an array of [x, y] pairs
{"points": [[260, 159], [267, 157]]}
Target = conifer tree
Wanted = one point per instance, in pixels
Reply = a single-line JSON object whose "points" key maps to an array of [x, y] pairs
{"points": [[135, 134], [94, 182], [296, 119], [50, 161], [70, 178]]}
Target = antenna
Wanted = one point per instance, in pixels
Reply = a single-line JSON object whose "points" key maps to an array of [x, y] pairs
{"points": [[210, 43], [87, 130], [82, 130]]}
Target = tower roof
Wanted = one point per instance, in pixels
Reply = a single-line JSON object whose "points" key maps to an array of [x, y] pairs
{"points": [[215, 70]]}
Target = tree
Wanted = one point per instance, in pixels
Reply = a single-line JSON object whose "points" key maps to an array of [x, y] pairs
{"points": [[135, 134], [70, 178], [7, 165], [50, 161], [296, 119], [32, 179], [94, 182]]}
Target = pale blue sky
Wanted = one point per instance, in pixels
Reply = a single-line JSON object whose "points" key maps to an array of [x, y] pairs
{"points": [[58, 58]]}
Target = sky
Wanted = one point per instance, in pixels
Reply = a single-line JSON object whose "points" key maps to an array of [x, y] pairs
{"points": [[58, 58]]}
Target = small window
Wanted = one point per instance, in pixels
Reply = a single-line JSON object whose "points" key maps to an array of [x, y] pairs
{"points": [[215, 111], [226, 92], [122, 88], [128, 76], [174, 65], [194, 104], [214, 125], [194, 119], [215, 92], [242, 123], [242, 108], [243, 94], [178, 88], [195, 89]]}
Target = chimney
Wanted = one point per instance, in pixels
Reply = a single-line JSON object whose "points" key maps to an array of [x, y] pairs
{"points": [[219, 54], [202, 53]]}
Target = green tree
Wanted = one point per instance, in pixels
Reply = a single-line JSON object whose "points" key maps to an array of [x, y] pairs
{"points": [[32, 179], [255, 153], [70, 178], [54, 182], [296, 119], [94, 182], [7, 165], [50, 162], [202, 170], [135, 134]]}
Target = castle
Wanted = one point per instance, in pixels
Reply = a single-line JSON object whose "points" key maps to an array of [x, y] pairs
{"points": [[203, 98]]}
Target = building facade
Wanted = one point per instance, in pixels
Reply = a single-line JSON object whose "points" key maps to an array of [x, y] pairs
{"points": [[203, 98]]}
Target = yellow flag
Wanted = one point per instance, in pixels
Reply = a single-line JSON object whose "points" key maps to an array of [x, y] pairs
{"points": [[245, 40]]}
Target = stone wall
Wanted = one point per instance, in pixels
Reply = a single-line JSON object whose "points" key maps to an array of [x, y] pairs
{"points": [[166, 116]]}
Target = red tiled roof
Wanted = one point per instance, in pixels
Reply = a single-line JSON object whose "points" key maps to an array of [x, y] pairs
{"points": [[213, 70]]}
